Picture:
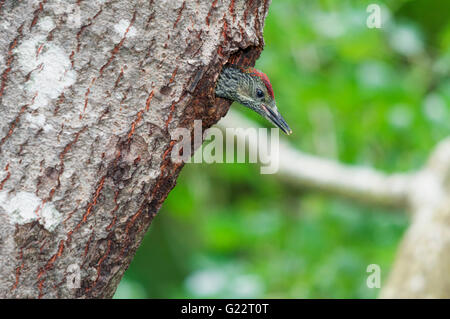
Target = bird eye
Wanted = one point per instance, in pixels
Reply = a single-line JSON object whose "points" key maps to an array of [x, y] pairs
{"points": [[259, 93]]}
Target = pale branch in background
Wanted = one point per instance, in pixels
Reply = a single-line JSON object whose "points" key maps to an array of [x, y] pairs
{"points": [[421, 266], [314, 172]]}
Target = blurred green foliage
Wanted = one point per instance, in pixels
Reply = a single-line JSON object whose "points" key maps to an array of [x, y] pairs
{"points": [[375, 97]]}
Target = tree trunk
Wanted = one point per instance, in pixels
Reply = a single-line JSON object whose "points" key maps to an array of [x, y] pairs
{"points": [[89, 94]]}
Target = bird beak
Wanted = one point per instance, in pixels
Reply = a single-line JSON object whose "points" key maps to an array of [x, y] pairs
{"points": [[277, 119]]}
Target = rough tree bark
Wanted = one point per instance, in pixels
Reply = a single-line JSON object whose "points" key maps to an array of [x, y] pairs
{"points": [[423, 258], [89, 94]]}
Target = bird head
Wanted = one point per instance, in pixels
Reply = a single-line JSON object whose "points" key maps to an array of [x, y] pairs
{"points": [[251, 88]]}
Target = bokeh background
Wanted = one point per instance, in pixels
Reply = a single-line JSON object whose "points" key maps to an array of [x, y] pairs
{"points": [[374, 97]]}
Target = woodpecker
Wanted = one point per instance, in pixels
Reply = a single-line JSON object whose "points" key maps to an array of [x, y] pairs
{"points": [[251, 88]]}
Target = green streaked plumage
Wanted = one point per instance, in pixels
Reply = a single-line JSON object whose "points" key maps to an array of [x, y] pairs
{"points": [[252, 89]]}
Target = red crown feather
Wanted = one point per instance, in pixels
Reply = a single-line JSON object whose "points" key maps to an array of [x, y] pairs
{"points": [[263, 77]]}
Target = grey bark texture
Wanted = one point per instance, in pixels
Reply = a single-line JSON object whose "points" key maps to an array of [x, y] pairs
{"points": [[90, 92]]}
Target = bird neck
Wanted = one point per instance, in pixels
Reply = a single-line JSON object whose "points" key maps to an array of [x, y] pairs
{"points": [[228, 83]]}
